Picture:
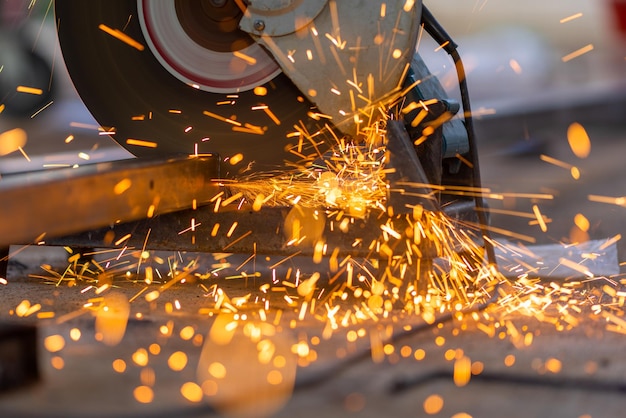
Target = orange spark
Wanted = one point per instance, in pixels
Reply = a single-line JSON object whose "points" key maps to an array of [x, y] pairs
{"points": [[29, 90], [570, 18], [12, 140], [222, 118], [539, 216], [141, 143], [578, 140], [577, 53], [116, 33], [250, 60]]}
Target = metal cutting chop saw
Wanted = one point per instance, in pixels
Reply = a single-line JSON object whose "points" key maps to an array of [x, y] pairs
{"points": [[231, 77], [237, 85]]}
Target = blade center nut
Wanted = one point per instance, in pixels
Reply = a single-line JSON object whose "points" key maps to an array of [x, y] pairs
{"points": [[259, 25]]}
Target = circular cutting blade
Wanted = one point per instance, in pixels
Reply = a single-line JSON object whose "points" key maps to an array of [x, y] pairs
{"points": [[179, 77]]}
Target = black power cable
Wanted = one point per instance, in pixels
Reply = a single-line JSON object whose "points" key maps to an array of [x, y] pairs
{"points": [[439, 34]]}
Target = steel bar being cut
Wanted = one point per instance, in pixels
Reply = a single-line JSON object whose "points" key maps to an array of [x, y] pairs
{"points": [[70, 200]]}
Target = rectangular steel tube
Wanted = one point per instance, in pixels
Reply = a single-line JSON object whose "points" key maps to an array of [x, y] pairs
{"points": [[41, 205]]}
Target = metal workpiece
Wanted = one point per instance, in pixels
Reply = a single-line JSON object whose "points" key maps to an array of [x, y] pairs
{"points": [[37, 206], [241, 231], [244, 231], [409, 184]]}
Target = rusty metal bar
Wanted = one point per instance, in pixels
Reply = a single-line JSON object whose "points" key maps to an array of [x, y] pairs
{"points": [[52, 203]]}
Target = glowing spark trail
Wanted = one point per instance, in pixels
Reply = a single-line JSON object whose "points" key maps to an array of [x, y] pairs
{"points": [[116, 33]]}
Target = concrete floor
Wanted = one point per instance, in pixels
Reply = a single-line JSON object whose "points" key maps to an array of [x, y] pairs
{"points": [[575, 372]]}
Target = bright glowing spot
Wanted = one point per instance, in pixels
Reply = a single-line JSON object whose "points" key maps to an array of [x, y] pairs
{"points": [[122, 186], [397, 53], [575, 172], [578, 140], [312, 92], [408, 5], [118, 34], [143, 394], [509, 360], [152, 296], [54, 343], [29, 90], [477, 367], [247, 58], [187, 333], [223, 329], [462, 371], [515, 66], [23, 308], [57, 362], [274, 377], [217, 370], [12, 140], [280, 361], [140, 357], [405, 351], [177, 361], [260, 90], [581, 222], [141, 143], [570, 18], [236, 159], [419, 354], [540, 219], [553, 365], [577, 53], [119, 365], [258, 202], [75, 334], [304, 225], [433, 404], [191, 391], [112, 318]]}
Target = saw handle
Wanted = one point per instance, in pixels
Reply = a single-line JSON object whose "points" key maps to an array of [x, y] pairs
{"points": [[437, 32]]}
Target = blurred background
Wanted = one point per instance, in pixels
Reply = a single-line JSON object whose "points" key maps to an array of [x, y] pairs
{"points": [[534, 68]]}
